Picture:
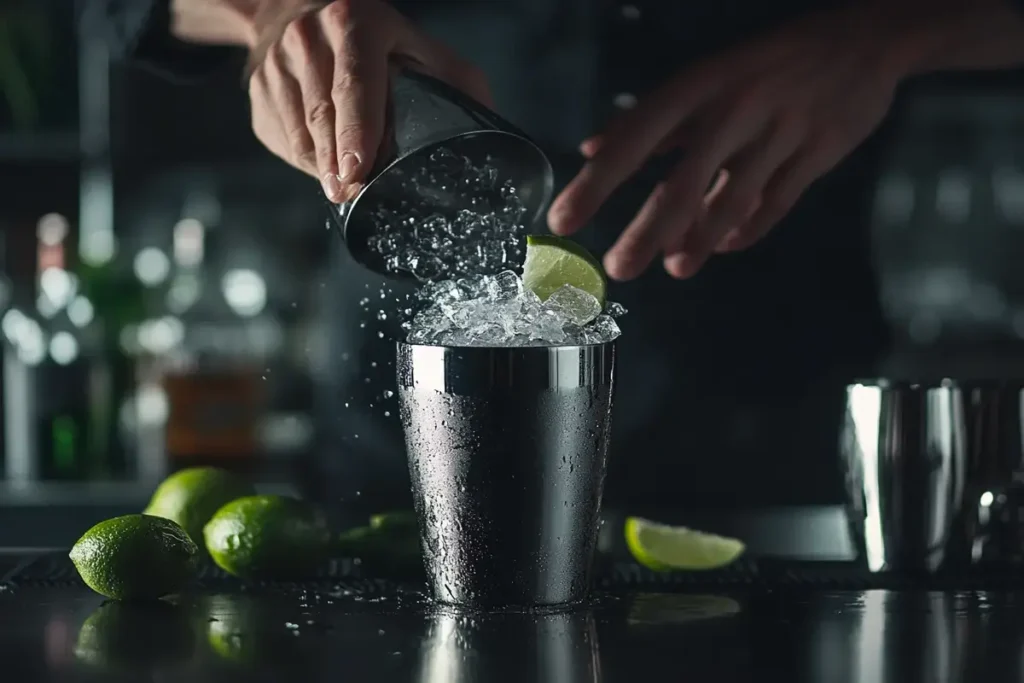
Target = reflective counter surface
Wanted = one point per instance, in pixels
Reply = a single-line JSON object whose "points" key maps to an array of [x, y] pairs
{"points": [[66, 633]]}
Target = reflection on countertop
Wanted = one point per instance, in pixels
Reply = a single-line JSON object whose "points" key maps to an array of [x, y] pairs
{"points": [[334, 635]]}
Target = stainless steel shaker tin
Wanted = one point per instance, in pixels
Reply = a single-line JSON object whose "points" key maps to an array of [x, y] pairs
{"points": [[508, 453], [425, 115]]}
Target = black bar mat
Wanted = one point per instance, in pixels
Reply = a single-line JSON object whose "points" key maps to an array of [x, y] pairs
{"points": [[56, 569], [51, 570]]}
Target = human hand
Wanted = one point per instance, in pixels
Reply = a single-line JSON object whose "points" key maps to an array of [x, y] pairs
{"points": [[319, 93], [765, 120]]}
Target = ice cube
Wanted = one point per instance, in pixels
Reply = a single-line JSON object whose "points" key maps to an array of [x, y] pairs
{"points": [[425, 267], [574, 305], [480, 239], [489, 334], [505, 286], [614, 309], [440, 292], [604, 329], [431, 229]]}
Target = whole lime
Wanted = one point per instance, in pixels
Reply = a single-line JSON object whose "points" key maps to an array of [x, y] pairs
{"points": [[268, 537], [135, 557], [191, 496]]}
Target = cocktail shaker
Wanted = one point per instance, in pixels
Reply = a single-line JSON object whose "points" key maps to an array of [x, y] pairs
{"points": [[508, 451], [427, 115]]}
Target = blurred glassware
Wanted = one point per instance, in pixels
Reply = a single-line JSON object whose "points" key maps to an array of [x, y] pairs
{"points": [[947, 222], [211, 337], [996, 477], [904, 453], [63, 389]]}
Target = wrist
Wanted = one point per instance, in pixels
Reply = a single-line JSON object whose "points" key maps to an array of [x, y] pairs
{"points": [[956, 35], [921, 43]]}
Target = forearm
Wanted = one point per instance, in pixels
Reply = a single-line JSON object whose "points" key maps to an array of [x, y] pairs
{"points": [[234, 22], [961, 35], [216, 22]]}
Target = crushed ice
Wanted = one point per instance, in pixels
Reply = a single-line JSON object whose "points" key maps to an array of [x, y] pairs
{"points": [[482, 233], [496, 310], [468, 254]]}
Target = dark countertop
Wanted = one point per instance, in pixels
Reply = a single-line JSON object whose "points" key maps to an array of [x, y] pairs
{"points": [[66, 633]]}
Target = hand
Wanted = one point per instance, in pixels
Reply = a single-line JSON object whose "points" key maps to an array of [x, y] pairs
{"points": [[762, 122], [319, 95]]}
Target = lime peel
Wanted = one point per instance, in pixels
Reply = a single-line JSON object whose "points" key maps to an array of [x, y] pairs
{"points": [[553, 262]]}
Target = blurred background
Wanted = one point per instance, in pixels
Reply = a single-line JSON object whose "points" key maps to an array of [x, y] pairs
{"points": [[163, 278], [160, 280]]}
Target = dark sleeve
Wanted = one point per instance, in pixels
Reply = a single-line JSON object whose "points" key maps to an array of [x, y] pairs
{"points": [[139, 32]]}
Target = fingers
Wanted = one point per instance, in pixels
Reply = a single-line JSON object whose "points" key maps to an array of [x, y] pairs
{"points": [[320, 97], [781, 195], [266, 124], [622, 151], [636, 248], [687, 251], [358, 90], [683, 197], [663, 211], [304, 48], [362, 43], [284, 95], [589, 147]]}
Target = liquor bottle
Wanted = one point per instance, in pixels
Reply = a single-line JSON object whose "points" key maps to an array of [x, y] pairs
{"points": [[48, 415], [214, 388]]}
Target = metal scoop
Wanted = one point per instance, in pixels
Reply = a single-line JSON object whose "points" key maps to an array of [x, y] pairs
{"points": [[426, 116]]}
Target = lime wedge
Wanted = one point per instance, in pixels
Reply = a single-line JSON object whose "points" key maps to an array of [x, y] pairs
{"points": [[663, 548], [553, 262]]}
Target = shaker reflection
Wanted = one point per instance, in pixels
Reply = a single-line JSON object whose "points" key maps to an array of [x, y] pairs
{"points": [[544, 648], [908, 638]]}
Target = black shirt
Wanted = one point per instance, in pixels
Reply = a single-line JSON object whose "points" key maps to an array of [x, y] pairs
{"points": [[731, 383]]}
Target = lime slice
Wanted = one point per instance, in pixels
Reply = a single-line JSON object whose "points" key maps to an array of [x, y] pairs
{"points": [[663, 548], [553, 262]]}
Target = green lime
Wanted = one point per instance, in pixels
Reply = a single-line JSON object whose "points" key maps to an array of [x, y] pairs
{"points": [[390, 544], [401, 521], [553, 262], [135, 637], [268, 537], [662, 548], [191, 496], [135, 557]]}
